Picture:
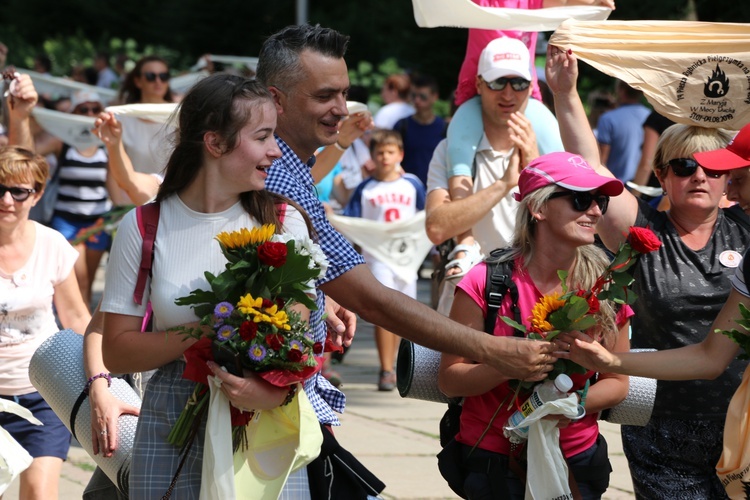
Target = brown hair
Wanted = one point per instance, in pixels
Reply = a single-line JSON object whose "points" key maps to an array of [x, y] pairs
{"points": [[401, 83], [129, 92], [383, 137], [18, 164]]}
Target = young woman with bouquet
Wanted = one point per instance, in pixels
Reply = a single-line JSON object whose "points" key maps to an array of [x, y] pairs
{"points": [[561, 201], [214, 183]]}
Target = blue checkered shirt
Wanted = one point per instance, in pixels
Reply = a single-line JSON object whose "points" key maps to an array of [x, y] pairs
{"points": [[290, 176]]}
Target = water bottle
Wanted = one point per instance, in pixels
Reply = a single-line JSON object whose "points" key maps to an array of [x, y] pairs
{"points": [[549, 390]]}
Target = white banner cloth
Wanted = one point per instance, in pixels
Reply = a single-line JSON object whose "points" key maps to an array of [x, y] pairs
{"points": [[62, 87], [74, 130], [691, 72], [466, 14], [159, 113], [402, 245], [14, 459]]}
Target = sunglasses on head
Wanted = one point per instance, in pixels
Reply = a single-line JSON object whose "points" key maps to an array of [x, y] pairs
{"points": [[150, 76], [517, 83], [686, 167], [581, 200], [17, 193], [84, 110]]}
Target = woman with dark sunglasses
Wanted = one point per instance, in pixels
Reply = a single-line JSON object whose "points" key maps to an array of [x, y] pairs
{"points": [[36, 273], [681, 288], [561, 200], [146, 144]]}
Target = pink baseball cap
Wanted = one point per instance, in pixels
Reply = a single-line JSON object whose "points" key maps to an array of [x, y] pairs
{"points": [[568, 171], [504, 57], [735, 155]]}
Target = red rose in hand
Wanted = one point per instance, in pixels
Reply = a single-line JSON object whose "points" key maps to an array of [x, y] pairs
{"points": [[248, 330], [272, 253], [593, 304], [318, 348], [294, 355], [274, 341], [643, 240]]}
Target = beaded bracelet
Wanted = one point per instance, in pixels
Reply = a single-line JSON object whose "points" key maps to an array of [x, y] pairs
{"points": [[340, 147], [290, 395], [98, 375]]}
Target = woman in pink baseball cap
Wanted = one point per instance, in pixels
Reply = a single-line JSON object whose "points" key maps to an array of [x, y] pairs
{"points": [[561, 201], [681, 288]]}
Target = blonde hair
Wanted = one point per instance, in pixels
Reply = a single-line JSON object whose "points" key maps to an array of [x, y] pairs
{"points": [[21, 165], [682, 141], [590, 262]]}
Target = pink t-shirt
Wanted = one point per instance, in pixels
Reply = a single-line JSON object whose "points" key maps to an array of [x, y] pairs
{"points": [[26, 317], [478, 410], [478, 40]]}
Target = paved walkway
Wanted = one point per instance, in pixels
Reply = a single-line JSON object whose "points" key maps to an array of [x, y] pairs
{"points": [[396, 438]]}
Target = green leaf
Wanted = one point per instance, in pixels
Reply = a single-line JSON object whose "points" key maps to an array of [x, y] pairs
{"points": [[563, 275], [513, 324]]}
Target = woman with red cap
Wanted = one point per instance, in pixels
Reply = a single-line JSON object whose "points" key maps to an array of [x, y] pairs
{"points": [[561, 200]]}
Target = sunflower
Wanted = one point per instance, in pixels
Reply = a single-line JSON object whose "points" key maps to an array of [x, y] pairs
{"points": [[541, 311], [245, 237], [249, 305]]}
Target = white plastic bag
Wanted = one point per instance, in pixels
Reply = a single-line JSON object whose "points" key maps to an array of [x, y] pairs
{"points": [[217, 475], [547, 472], [14, 459]]}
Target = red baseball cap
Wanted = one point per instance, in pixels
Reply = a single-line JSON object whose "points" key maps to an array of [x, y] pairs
{"points": [[568, 171], [735, 155]]}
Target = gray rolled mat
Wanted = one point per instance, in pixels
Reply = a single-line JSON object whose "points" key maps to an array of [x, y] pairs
{"points": [[56, 370], [636, 408], [417, 373]]}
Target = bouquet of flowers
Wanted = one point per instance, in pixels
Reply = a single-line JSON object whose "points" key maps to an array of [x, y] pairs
{"points": [[575, 309], [247, 317], [107, 223], [742, 338]]}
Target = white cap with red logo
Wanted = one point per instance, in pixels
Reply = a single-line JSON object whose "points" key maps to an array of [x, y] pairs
{"points": [[504, 57]]}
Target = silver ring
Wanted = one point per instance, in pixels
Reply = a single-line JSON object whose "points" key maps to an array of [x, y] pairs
{"points": [[568, 345], [104, 432]]}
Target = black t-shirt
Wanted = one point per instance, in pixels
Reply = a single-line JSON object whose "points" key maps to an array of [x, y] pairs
{"points": [[680, 293]]}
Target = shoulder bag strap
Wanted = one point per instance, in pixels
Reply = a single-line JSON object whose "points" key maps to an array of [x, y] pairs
{"points": [[148, 222]]}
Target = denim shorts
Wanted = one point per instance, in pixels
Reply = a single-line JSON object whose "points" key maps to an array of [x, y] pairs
{"points": [[49, 440], [71, 228]]}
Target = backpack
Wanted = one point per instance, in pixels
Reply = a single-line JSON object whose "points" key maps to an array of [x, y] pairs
{"points": [[148, 222], [498, 283]]}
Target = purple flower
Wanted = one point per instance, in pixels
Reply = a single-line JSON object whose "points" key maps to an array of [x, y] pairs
{"points": [[256, 353], [223, 310], [296, 344], [226, 332]]}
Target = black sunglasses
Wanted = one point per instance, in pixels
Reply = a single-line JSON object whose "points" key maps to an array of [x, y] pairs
{"points": [[686, 167], [419, 95], [518, 84], [84, 110], [17, 193], [582, 200], [150, 76]]}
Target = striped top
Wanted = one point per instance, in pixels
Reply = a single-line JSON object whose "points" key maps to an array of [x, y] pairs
{"points": [[83, 191]]}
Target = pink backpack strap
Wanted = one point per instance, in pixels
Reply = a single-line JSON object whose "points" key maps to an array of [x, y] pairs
{"points": [[281, 208], [148, 222]]}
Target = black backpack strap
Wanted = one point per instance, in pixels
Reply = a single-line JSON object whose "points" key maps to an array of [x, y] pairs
{"points": [[739, 216], [499, 282]]}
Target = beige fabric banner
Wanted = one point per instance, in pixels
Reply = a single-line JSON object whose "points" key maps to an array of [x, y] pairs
{"points": [[692, 72], [467, 14]]}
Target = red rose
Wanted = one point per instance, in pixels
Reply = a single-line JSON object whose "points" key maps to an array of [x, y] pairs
{"points": [[274, 341], [280, 303], [248, 330], [272, 253], [294, 355], [266, 304], [643, 240], [318, 348]]}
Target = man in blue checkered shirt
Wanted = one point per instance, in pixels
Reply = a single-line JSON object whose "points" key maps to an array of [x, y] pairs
{"points": [[304, 68]]}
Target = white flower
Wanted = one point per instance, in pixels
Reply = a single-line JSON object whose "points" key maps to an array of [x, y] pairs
{"points": [[304, 245]]}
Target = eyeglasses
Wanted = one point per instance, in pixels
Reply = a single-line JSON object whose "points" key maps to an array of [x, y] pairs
{"points": [[419, 95], [84, 110], [686, 167], [582, 200], [150, 76], [17, 193], [518, 84]]}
